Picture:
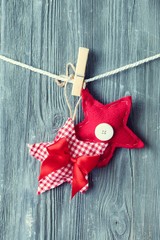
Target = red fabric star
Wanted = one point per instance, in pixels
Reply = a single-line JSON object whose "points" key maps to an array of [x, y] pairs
{"points": [[116, 115]]}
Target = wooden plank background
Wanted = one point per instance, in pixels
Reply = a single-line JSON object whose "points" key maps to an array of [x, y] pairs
{"points": [[124, 198]]}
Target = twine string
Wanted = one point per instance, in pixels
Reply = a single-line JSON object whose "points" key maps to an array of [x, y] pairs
{"points": [[70, 76], [62, 81], [58, 78]]}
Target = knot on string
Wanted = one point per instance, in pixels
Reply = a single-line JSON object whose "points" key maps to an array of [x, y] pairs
{"points": [[68, 76], [68, 66]]}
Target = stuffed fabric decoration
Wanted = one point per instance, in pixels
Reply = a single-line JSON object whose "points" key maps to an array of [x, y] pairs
{"points": [[66, 159], [107, 123], [77, 150]]}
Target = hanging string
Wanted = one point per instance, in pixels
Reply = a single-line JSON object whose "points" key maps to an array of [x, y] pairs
{"points": [[72, 115], [76, 108], [58, 78]]}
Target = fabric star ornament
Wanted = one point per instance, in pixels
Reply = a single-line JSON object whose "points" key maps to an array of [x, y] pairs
{"points": [[115, 115], [66, 159]]}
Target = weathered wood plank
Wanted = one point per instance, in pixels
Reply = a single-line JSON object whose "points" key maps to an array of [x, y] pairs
{"points": [[123, 201]]}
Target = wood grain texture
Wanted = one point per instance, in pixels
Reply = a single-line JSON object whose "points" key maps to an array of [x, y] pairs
{"points": [[123, 201]]}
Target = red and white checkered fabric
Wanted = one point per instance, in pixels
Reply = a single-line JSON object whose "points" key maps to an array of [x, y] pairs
{"points": [[77, 148]]}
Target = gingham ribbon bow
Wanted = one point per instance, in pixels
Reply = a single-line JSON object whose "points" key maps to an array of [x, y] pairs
{"points": [[59, 157]]}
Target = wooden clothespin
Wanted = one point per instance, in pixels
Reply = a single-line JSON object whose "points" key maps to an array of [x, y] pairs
{"points": [[80, 71]]}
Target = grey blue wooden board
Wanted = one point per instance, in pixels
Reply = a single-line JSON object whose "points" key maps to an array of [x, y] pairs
{"points": [[123, 201]]}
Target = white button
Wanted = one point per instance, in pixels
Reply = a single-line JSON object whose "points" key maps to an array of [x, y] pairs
{"points": [[104, 131]]}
